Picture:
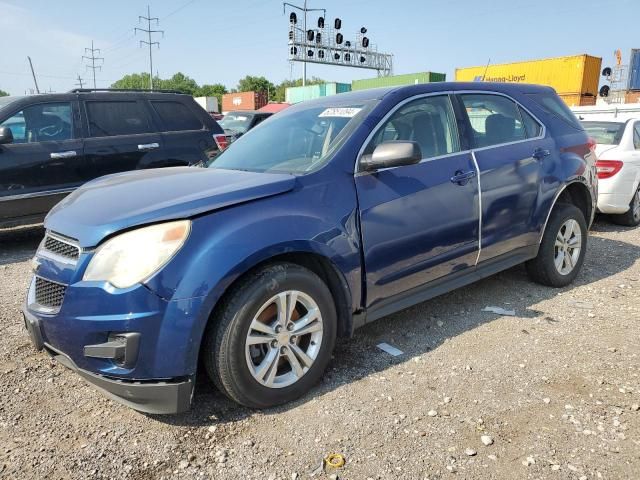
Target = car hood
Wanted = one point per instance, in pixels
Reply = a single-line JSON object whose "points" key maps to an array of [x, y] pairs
{"points": [[116, 202]]}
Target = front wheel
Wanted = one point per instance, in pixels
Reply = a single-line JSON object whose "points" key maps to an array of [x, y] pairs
{"points": [[631, 218], [272, 338], [563, 247]]}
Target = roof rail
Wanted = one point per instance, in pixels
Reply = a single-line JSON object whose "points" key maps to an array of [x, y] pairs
{"points": [[140, 90]]}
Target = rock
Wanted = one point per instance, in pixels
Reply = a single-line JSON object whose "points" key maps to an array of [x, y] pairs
{"points": [[447, 399], [470, 452], [612, 349], [294, 476], [333, 476], [486, 440], [212, 428], [183, 464], [432, 413], [555, 468], [492, 457], [440, 323], [635, 407], [529, 461], [546, 400]]}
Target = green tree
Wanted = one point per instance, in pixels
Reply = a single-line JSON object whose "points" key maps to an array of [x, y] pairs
{"points": [[135, 81], [180, 82], [3, 93], [256, 84], [215, 90], [281, 89]]}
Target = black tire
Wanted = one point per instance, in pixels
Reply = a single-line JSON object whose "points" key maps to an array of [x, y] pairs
{"points": [[542, 269], [632, 216], [223, 350]]}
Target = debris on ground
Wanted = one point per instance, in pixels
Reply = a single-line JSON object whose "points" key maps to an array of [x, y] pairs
{"points": [[391, 350], [500, 311]]}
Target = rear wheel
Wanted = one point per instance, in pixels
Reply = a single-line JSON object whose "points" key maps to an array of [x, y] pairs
{"points": [[563, 248], [273, 336], [632, 216]]}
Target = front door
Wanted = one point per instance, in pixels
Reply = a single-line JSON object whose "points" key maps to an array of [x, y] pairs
{"points": [[419, 222], [43, 164]]}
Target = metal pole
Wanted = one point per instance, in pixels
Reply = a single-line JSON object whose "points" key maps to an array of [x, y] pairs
{"points": [[150, 54], [304, 64], [93, 65], [34, 75]]}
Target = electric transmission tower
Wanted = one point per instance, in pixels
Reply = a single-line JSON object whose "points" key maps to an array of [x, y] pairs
{"points": [[80, 82], [150, 43], [92, 57]]}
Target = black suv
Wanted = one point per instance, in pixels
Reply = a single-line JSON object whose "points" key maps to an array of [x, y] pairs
{"points": [[51, 144]]}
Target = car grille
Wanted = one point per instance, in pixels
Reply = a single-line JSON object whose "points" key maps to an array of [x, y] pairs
{"points": [[49, 294], [61, 247]]}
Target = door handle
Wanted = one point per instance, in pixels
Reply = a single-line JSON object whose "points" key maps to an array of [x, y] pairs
{"points": [[540, 153], [148, 146], [462, 178], [59, 155]]}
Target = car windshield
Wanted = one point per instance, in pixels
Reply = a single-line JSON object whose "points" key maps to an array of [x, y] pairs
{"points": [[605, 133], [297, 140], [237, 122]]}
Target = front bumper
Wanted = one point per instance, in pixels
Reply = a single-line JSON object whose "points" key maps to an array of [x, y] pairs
{"points": [[155, 397]]}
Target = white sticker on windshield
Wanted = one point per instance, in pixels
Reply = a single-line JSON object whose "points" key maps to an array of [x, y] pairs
{"points": [[346, 112]]}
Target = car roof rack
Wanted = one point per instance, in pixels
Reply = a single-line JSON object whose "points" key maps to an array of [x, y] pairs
{"points": [[138, 90]]}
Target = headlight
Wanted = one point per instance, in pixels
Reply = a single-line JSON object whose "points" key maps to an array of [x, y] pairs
{"points": [[134, 256]]}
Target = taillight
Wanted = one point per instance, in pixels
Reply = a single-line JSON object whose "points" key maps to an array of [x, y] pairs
{"points": [[608, 168], [221, 141]]}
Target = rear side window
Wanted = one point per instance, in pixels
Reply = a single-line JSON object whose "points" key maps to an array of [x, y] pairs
{"points": [[428, 121], [636, 136], [494, 119], [531, 125], [176, 117], [107, 119], [552, 104]]}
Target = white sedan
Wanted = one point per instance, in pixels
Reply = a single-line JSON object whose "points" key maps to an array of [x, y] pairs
{"points": [[618, 151]]}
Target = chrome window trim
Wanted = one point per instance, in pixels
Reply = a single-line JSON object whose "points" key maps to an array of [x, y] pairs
{"points": [[36, 194], [543, 131]]}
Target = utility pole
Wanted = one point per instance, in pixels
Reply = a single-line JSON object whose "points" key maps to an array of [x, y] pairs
{"points": [[304, 9], [34, 75], [149, 42], [93, 59], [80, 81]]}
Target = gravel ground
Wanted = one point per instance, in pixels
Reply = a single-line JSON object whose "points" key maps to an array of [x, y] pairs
{"points": [[551, 392]]}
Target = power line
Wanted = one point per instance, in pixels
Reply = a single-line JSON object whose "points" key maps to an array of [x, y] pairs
{"points": [[93, 59], [150, 42]]}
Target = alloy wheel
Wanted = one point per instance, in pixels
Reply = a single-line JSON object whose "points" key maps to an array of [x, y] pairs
{"points": [[284, 339], [567, 247]]}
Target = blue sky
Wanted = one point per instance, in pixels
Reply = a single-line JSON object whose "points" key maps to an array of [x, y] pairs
{"points": [[221, 41]]}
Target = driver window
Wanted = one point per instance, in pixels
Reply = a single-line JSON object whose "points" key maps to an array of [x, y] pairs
{"points": [[429, 121], [41, 123]]}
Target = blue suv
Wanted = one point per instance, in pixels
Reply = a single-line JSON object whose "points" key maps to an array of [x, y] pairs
{"points": [[327, 216]]}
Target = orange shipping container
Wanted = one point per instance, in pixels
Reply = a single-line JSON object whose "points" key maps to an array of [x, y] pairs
{"points": [[632, 97], [578, 100], [243, 101]]}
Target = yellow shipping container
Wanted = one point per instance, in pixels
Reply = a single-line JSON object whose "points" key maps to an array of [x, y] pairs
{"points": [[576, 75], [578, 100]]}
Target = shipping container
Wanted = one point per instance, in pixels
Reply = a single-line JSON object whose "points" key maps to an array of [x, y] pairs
{"points": [[210, 104], [398, 80], [309, 92], [578, 100], [575, 75], [632, 97], [244, 101], [634, 69]]}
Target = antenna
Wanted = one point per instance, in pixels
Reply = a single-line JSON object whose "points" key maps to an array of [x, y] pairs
{"points": [[485, 69]]}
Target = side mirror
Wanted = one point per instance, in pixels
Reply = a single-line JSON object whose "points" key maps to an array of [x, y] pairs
{"points": [[6, 135], [395, 153]]}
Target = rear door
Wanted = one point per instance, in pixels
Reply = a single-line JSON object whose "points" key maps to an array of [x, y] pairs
{"points": [[45, 161], [120, 136], [419, 222], [512, 153], [188, 135]]}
